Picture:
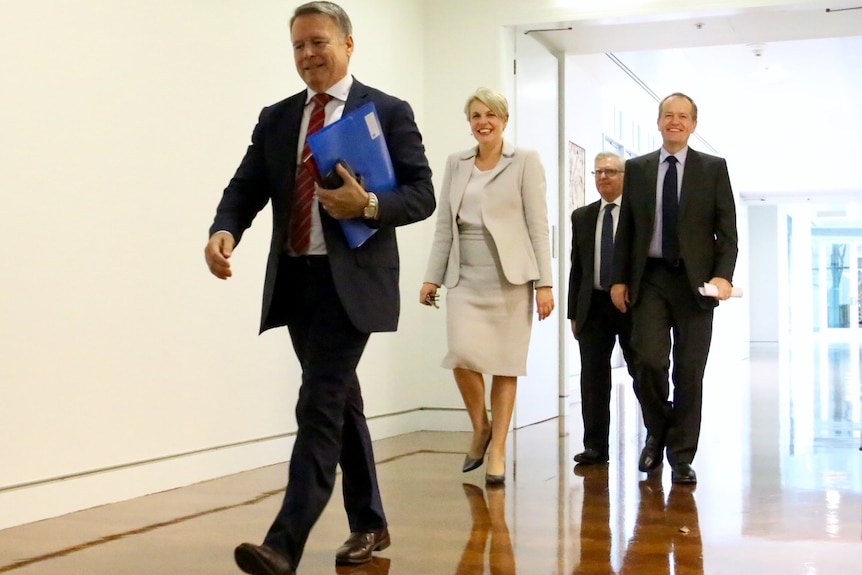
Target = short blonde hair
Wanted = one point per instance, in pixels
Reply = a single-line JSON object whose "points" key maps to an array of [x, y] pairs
{"points": [[495, 101]]}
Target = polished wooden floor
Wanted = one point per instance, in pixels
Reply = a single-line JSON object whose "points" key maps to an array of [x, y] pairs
{"points": [[780, 491]]}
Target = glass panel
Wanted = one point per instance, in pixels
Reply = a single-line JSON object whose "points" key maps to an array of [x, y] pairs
{"points": [[838, 286]]}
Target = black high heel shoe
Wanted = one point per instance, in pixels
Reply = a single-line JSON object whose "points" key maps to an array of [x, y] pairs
{"points": [[471, 463]]}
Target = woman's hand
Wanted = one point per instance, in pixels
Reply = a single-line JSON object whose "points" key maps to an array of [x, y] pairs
{"points": [[428, 293], [544, 301]]}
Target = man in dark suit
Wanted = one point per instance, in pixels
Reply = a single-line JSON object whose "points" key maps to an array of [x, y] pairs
{"points": [[596, 323], [677, 231], [331, 297]]}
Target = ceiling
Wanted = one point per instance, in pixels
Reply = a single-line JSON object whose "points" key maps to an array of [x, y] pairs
{"points": [[762, 78]]}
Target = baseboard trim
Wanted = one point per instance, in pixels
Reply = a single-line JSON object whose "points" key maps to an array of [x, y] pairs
{"points": [[43, 498]]}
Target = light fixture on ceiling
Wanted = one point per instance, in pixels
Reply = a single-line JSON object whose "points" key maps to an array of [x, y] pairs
{"points": [[766, 71]]}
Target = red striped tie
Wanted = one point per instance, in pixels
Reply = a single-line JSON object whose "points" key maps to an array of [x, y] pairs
{"points": [[300, 219]]}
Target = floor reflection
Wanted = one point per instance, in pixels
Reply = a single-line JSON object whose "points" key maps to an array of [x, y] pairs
{"points": [[377, 566], [666, 536], [489, 522], [779, 492]]}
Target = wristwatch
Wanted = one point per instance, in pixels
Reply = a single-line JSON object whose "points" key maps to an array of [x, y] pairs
{"points": [[370, 211]]}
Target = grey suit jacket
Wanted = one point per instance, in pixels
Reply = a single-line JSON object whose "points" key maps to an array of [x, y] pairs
{"points": [[366, 278], [706, 227], [514, 210]]}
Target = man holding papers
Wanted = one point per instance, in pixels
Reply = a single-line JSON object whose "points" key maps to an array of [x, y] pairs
{"points": [[329, 295], [677, 230]]}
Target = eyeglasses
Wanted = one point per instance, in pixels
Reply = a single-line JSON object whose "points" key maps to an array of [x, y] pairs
{"points": [[608, 173]]}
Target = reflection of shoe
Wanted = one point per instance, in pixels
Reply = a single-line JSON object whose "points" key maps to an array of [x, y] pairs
{"points": [[594, 473], [683, 473], [471, 463], [361, 544], [495, 479], [651, 455], [590, 456], [261, 560], [377, 566]]}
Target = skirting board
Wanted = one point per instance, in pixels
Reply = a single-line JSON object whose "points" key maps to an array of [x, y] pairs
{"points": [[43, 499]]}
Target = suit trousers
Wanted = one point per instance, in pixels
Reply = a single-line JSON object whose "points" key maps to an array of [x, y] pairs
{"points": [[329, 412], [596, 340], [667, 305]]}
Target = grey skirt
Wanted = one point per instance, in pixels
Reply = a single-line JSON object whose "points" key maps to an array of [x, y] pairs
{"points": [[488, 319]]}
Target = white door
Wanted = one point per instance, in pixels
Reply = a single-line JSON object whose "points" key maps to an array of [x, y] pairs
{"points": [[536, 124]]}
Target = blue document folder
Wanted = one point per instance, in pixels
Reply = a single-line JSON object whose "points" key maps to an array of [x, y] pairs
{"points": [[357, 141]]}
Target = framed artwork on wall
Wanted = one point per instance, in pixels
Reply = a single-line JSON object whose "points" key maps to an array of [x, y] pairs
{"points": [[577, 176]]}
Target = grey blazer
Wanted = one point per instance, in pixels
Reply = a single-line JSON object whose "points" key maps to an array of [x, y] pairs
{"points": [[514, 210]]}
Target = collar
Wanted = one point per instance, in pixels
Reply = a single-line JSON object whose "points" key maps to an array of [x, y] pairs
{"points": [[680, 155], [339, 90], [508, 151]]}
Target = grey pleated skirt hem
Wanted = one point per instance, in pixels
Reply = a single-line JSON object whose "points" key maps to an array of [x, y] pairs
{"points": [[488, 319]]}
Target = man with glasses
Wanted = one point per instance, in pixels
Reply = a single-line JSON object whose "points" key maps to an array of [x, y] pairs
{"points": [[596, 323]]}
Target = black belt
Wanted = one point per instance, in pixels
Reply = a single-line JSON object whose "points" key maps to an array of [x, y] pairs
{"points": [[677, 263], [312, 261]]}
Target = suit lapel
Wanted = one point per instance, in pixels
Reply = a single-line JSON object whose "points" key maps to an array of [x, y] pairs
{"points": [[286, 144], [589, 239], [692, 171], [357, 96], [650, 182], [459, 182]]}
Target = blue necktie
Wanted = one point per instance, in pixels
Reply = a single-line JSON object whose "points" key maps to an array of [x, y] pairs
{"points": [[669, 212], [606, 249]]}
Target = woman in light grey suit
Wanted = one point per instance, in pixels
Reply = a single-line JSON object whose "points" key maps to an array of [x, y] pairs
{"points": [[491, 251]]}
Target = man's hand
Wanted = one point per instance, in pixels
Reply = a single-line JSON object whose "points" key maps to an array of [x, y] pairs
{"points": [[346, 202], [217, 252], [724, 287], [620, 296]]}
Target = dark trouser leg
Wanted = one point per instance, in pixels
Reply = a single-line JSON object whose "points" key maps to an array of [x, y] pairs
{"points": [[358, 472], [692, 337], [596, 341], [329, 349], [651, 325], [667, 304]]}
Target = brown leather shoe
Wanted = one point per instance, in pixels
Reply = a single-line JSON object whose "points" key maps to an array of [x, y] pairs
{"points": [[361, 544], [262, 560]]}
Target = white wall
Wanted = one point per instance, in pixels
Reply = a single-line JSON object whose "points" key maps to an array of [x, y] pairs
{"points": [[763, 249], [122, 123]]}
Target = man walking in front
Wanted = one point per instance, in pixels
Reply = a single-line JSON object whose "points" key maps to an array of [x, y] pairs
{"points": [[329, 296]]}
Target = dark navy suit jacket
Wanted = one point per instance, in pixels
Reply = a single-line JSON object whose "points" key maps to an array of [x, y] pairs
{"points": [[366, 278]]}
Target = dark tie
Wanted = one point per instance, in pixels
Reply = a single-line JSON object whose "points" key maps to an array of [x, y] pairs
{"points": [[606, 249], [669, 211], [303, 196]]}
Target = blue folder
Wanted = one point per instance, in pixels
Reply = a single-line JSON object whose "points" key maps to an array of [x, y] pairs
{"points": [[357, 141]]}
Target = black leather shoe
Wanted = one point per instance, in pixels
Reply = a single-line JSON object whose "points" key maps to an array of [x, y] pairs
{"points": [[261, 560], [683, 473], [651, 455], [471, 463], [361, 544], [590, 456]]}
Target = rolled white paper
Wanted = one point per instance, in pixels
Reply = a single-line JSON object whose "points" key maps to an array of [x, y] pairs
{"points": [[710, 290]]}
